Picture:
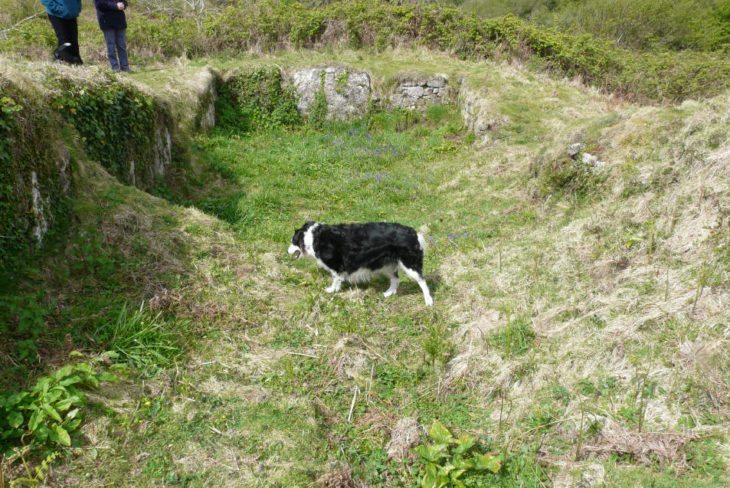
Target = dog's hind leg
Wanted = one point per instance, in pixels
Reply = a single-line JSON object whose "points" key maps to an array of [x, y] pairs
{"points": [[394, 281], [418, 278], [336, 284]]}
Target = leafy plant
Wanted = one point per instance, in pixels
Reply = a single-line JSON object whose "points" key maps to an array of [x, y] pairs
{"points": [[450, 461], [318, 111], [38, 475], [50, 411], [116, 122]]}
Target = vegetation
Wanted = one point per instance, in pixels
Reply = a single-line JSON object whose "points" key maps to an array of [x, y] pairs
{"points": [[116, 122], [579, 331], [49, 411], [267, 25], [449, 461], [643, 24]]}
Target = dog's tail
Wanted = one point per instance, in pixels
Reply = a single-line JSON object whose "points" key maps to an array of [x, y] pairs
{"points": [[421, 241]]}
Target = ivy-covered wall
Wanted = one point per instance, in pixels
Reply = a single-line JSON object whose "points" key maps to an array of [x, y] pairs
{"points": [[126, 130], [53, 113], [256, 97], [35, 174]]}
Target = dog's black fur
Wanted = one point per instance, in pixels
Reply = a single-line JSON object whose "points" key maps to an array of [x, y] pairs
{"points": [[346, 248], [352, 252]]}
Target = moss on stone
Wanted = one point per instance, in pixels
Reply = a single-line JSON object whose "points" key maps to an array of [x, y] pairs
{"points": [[35, 180]]}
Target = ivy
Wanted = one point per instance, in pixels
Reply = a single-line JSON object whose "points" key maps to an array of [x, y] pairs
{"points": [[28, 135], [256, 99], [116, 122]]}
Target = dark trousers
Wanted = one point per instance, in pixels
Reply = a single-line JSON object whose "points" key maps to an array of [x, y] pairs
{"points": [[116, 43], [67, 33]]}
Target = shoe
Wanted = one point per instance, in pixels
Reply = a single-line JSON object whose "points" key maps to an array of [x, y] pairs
{"points": [[63, 53]]}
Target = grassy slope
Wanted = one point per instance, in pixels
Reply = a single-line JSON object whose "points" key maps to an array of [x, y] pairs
{"points": [[599, 292]]}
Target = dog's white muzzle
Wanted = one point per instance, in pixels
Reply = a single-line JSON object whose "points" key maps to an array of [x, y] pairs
{"points": [[295, 251]]}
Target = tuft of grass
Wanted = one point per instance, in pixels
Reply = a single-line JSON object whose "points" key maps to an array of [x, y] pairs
{"points": [[144, 341], [515, 338]]}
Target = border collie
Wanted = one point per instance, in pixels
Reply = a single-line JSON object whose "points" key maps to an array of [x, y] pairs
{"points": [[355, 252]]}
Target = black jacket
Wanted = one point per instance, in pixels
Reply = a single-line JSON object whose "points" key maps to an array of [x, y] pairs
{"points": [[109, 16]]}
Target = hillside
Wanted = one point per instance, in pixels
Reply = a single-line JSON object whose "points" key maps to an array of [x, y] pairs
{"points": [[578, 257]]}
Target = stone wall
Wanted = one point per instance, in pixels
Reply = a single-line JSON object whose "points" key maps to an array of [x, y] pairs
{"points": [[480, 118], [417, 92], [347, 92], [35, 179]]}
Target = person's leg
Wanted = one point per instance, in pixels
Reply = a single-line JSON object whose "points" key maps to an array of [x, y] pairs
{"points": [[57, 24], [73, 35], [111, 48], [121, 36], [67, 34], [64, 51]]}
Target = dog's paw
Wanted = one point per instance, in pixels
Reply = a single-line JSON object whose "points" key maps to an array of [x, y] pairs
{"points": [[389, 294], [331, 289], [429, 302]]}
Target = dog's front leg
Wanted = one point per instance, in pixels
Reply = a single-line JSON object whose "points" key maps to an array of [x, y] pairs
{"points": [[336, 284]]}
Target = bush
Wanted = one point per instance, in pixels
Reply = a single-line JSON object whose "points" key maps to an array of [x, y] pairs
{"points": [[116, 122]]}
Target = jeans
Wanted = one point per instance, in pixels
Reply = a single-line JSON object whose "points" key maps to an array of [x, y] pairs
{"points": [[116, 43], [67, 33]]}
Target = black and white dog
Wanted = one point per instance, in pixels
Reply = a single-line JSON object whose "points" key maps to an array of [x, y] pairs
{"points": [[355, 252]]}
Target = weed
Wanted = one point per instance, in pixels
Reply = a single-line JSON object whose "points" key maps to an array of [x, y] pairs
{"points": [[49, 411], [450, 461], [437, 344]]}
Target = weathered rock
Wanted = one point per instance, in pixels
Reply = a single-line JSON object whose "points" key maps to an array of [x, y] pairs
{"points": [[346, 91], [163, 148], [478, 114], [575, 149], [403, 437], [420, 91], [592, 161], [593, 476]]}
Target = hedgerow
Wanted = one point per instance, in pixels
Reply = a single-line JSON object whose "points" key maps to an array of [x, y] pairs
{"points": [[268, 25]]}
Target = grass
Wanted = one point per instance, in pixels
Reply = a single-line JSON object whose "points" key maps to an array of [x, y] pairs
{"points": [[551, 312]]}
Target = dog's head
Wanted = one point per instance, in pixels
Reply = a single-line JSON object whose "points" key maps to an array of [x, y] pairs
{"points": [[297, 248]]}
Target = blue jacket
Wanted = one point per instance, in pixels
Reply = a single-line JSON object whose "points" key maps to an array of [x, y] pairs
{"points": [[65, 9], [109, 16]]}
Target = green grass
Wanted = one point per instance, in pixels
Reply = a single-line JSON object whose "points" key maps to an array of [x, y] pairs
{"points": [[244, 370]]}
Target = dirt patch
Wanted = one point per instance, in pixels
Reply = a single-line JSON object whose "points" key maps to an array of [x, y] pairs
{"points": [[664, 448], [341, 478]]}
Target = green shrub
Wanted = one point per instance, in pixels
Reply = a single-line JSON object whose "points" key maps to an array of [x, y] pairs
{"points": [[47, 413], [269, 25]]}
